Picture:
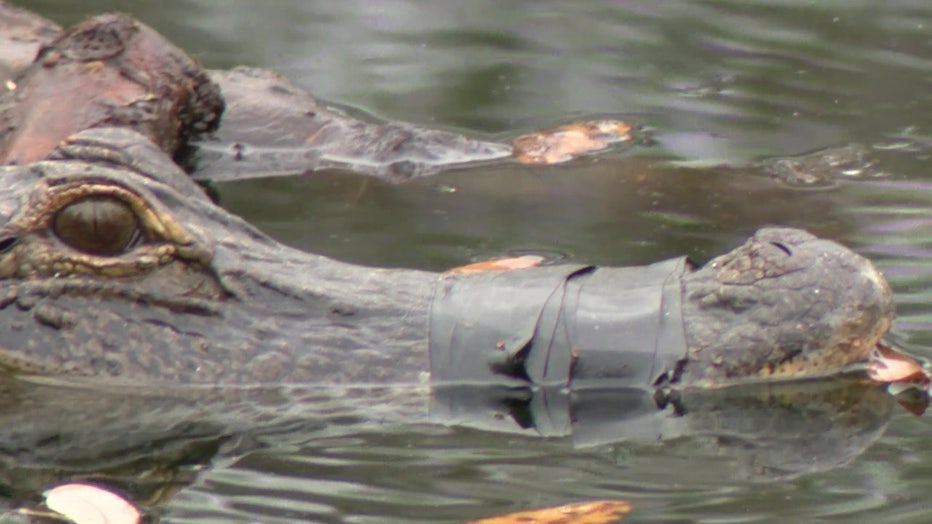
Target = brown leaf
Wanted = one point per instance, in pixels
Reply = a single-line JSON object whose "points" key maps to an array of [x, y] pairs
{"points": [[598, 512], [887, 365], [89, 504], [498, 264], [564, 143]]}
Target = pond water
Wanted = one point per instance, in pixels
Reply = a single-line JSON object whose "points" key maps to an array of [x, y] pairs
{"points": [[722, 88]]}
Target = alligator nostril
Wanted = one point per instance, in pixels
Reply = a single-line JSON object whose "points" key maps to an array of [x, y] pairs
{"points": [[783, 248], [7, 244]]}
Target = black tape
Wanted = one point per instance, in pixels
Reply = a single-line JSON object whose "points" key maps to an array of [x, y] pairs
{"points": [[573, 325]]}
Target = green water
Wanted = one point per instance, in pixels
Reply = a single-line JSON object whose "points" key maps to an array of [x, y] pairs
{"points": [[713, 82]]}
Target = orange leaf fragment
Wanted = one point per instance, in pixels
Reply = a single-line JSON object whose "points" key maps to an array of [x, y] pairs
{"points": [[498, 264], [566, 142], [89, 504], [598, 512], [887, 365]]}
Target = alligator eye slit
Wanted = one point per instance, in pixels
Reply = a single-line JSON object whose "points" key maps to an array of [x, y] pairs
{"points": [[98, 225], [782, 248], [6, 244]]}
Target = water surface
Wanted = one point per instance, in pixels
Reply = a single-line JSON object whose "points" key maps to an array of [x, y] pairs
{"points": [[713, 82]]}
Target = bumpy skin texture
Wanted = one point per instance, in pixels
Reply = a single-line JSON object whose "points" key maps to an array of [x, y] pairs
{"points": [[22, 34], [109, 70], [784, 304], [201, 297]]}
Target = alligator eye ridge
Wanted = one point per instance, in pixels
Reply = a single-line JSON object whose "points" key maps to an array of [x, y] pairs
{"points": [[97, 225]]}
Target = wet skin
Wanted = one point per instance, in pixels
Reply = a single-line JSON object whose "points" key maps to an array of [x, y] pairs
{"points": [[115, 265]]}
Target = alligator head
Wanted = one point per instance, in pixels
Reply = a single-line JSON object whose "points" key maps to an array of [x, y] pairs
{"points": [[114, 263]]}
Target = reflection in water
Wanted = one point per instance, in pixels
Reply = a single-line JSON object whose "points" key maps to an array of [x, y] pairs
{"points": [[729, 81], [775, 430], [150, 443], [328, 443]]}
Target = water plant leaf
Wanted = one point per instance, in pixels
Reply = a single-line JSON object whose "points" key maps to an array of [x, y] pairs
{"points": [[889, 366], [498, 264], [597, 512], [90, 504], [566, 142]]}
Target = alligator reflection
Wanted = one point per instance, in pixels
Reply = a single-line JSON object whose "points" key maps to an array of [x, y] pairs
{"points": [[152, 444], [777, 430]]}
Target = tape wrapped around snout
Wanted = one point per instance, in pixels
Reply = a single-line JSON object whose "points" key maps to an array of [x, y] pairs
{"points": [[571, 325]]}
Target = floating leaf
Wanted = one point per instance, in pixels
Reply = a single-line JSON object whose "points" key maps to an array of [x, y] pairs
{"points": [[888, 366], [89, 504], [498, 264], [598, 512], [564, 143]]}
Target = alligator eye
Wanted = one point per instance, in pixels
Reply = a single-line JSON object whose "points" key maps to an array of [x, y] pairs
{"points": [[97, 225]]}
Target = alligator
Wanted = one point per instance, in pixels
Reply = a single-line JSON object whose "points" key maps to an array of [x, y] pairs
{"points": [[190, 334], [115, 265], [116, 269]]}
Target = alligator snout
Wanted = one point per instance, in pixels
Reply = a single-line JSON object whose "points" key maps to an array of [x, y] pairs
{"points": [[785, 304]]}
